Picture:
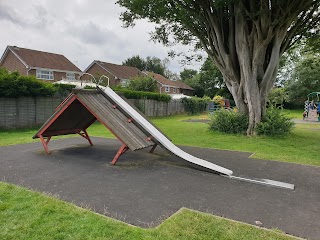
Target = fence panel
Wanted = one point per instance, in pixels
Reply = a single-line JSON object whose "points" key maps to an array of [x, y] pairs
{"points": [[8, 112], [25, 111], [29, 111]]}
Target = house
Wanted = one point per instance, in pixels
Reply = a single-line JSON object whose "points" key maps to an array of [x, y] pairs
{"points": [[117, 74], [171, 87], [45, 66]]}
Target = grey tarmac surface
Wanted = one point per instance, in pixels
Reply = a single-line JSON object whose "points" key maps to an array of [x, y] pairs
{"points": [[144, 189]]}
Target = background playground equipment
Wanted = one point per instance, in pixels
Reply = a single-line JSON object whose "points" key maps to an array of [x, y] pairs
{"points": [[313, 98], [219, 103]]}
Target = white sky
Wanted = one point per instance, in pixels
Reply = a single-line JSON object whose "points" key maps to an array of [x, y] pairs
{"points": [[81, 30]]}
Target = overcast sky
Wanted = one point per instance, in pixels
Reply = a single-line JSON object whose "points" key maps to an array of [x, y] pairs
{"points": [[81, 30]]}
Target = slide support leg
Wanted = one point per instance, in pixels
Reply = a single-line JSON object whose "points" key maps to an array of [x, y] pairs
{"points": [[85, 135], [121, 151], [153, 148], [45, 142]]}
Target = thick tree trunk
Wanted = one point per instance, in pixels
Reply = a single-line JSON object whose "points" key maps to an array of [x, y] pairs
{"points": [[249, 64]]}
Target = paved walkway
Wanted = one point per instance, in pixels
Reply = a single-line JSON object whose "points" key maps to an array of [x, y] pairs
{"points": [[144, 189]]}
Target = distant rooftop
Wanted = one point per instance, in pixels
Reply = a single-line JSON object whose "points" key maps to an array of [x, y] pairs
{"points": [[35, 58]]}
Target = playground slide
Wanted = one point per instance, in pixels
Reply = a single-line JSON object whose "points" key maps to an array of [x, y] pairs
{"points": [[163, 140]]}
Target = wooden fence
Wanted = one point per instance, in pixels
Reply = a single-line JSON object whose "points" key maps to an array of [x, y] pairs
{"points": [[30, 111]]}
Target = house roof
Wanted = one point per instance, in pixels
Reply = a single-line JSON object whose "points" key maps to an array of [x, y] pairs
{"points": [[118, 71], [183, 85], [164, 81], [38, 59]]}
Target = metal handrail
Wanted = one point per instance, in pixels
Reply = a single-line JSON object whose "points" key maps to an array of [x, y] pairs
{"points": [[94, 80]]}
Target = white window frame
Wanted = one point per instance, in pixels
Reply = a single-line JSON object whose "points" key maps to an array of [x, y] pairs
{"points": [[167, 89], [70, 76], [174, 90], [44, 74], [124, 82]]}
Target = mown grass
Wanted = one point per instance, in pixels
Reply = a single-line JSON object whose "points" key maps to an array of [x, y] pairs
{"points": [[30, 215], [301, 146]]}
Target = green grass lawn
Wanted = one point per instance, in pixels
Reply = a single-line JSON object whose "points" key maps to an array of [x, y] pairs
{"points": [[29, 215], [301, 146]]}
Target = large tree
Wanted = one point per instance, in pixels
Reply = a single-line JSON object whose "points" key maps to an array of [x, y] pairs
{"points": [[244, 38], [210, 78], [187, 74], [152, 64], [305, 79]]}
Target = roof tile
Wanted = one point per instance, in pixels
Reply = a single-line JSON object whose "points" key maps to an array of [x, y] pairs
{"points": [[34, 58], [120, 71], [168, 82]]}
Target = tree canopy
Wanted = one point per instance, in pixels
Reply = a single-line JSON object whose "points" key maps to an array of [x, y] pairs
{"points": [[305, 79], [151, 64], [187, 74], [143, 83], [245, 39]]}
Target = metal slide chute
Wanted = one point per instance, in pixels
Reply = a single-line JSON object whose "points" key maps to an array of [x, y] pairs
{"points": [[166, 143], [163, 140]]}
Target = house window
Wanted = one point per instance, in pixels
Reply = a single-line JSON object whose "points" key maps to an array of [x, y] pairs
{"points": [[167, 89], [124, 82], [174, 90], [70, 76], [44, 74]]}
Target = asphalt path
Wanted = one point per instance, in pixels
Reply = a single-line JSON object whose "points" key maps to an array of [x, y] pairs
{"points": [[144, 189]]}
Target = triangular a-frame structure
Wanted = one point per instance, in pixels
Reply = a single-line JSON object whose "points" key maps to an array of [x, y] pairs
{"points": [[81, 109]]}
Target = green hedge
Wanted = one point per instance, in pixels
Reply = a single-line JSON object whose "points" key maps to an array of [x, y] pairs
{"points": [[15, 85], [194, 105], [144, 95]]}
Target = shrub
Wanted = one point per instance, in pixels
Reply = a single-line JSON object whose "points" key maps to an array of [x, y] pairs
{"points": [[194, 105], [14, 85], [145, 84], [219, 100], [89, 87], [277, 97], [274, 123], [63, 89], [144, 95], [229, 122]]}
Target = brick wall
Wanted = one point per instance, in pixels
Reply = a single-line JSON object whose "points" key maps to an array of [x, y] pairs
{"points": [[163, 89], [12, 63]]}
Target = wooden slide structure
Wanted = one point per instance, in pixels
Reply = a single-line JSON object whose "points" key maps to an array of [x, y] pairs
{"points": [[83, 107]]}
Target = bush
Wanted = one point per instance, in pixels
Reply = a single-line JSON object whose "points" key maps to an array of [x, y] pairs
{"points": [[274, 123], [229, 122], [63, 89], [144, 84], [89, 87], [144, 95], [14, 85], [194, 105]]}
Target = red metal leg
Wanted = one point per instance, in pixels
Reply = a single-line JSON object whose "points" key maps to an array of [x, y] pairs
{"points": [[153, 148], [85, 135], [121, 151], [45, 142]]}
